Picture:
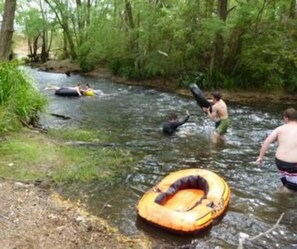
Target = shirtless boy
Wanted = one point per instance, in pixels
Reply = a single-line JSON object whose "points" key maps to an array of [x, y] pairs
{"points": [[286, 153], [219, 114]]}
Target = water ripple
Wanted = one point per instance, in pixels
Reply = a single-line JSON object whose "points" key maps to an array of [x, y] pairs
{"points": [[134, 116]]}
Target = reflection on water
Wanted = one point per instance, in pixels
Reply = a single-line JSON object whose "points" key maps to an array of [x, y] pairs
{"points": [[134, 116]]}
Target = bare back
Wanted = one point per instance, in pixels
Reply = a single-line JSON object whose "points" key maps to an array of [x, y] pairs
{"points": [[287, 142], [221, 109]]}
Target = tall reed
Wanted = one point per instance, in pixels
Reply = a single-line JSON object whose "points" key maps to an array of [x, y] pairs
{"points": [[20, 100]]}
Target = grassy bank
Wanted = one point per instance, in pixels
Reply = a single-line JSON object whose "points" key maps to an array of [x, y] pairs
{"points": [[59, 156], [44, 218]]}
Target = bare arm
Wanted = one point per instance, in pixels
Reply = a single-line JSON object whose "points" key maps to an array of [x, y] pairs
{"points": [[78, 91], [179, 123], [270, 139], [212, 115]]}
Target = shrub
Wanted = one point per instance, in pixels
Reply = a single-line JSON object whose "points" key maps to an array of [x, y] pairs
{"points": [[19, 99]]}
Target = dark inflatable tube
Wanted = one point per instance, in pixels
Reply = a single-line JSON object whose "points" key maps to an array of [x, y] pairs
{"points": [[67, 92], [199, 97]]}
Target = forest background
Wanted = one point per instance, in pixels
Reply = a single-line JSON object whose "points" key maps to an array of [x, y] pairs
{"points": [[235, 44]]}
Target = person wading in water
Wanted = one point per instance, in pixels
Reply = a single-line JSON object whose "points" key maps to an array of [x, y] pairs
{"points": [[173, 123], [286, 153], [219, 114]]}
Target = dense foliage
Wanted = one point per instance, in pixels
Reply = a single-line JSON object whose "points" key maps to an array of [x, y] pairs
{"points": [[19, 99], [229, 44]]}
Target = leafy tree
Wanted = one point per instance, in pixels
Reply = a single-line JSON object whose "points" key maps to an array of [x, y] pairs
{"points": [[38, 26], [235, 43]]}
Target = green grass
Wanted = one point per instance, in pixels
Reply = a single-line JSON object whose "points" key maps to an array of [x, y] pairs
{"points": [[32, 156], [19, 97], [26, 157], [90, 165], [79, 135]]}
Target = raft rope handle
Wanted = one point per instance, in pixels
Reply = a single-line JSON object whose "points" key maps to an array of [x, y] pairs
{"points": [[217, 207], [210, 204], [156, 189]]}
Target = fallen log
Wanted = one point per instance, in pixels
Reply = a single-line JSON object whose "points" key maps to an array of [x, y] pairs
{"points": [[60, 116]]}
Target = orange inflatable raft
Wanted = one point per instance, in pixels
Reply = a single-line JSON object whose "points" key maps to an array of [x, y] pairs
{"points": [[185, 201]]}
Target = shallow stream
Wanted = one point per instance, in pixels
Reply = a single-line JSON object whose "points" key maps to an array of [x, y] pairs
{"points": [[134, 116]]}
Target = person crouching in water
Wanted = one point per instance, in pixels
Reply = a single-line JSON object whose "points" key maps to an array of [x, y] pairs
{"points": [[286, 153], [219, 114], [173, 123]]}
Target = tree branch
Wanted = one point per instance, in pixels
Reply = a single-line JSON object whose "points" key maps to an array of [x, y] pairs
{"points": [[243, 237]]}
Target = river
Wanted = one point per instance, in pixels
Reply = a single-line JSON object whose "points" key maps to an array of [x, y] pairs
{"points": [[134, 116]]}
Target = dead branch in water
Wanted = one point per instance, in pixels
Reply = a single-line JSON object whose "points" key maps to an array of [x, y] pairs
{"points": [[60, 116], [243, 237]]}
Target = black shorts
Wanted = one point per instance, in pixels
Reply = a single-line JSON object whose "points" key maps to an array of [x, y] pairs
{"points": [[288, 173]]}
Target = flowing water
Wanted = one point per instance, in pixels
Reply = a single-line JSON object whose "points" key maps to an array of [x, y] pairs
{"points": [[134, 116]]}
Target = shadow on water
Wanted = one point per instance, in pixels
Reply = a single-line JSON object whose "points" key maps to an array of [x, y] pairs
{"points": [[134, 116], [161, 236]]}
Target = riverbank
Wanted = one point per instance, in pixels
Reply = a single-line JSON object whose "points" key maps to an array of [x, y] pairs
{"points": [[239, 96], [33, 214]]}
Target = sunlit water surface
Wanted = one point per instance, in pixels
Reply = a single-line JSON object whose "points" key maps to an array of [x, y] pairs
{"points": [[134, 115]]}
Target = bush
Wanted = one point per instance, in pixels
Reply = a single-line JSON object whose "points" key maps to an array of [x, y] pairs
{"points": [[206, 80], [19, 99]]}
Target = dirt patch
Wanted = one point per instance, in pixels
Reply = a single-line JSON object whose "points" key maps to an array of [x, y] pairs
{"points": [[35, 217], [64, 66]]}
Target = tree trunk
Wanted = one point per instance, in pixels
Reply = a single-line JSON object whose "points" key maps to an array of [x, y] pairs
{"points": [[44, 37], [128, 15], [7, 29], [293, 9], [61, 12], [234, 50], [217, 54], [209, 8], [44, 52], [130, 24], [218, 50]]}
